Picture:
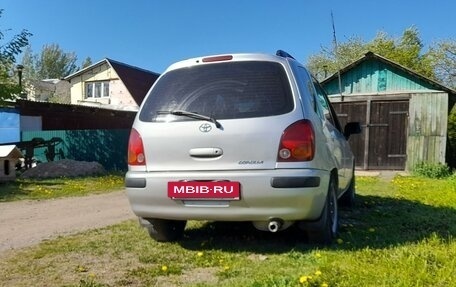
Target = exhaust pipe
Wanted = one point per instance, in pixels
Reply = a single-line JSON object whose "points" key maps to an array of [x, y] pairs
{"points": [[275, 224]]}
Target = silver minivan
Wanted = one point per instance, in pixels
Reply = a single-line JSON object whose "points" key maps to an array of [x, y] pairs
{"points": [[239, 137]]}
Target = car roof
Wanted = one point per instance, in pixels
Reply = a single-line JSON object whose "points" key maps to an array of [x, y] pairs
{"points": [[219, 58]]}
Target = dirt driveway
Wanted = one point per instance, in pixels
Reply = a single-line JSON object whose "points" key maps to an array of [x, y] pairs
{"points": [[25, 223]]}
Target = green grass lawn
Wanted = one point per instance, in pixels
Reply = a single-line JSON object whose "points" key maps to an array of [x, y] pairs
{"points": [[401, 233], [59, 187]]}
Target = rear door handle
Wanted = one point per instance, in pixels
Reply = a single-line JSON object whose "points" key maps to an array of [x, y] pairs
{"points": [[206, 152]]}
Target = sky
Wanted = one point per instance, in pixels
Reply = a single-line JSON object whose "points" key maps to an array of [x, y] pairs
{"points": [[153, 34]]}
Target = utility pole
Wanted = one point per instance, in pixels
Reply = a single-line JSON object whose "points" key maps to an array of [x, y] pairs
{"points": [[20, 68]]}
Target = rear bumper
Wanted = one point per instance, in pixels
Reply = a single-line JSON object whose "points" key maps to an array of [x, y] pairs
{"points": [[288, 194]]}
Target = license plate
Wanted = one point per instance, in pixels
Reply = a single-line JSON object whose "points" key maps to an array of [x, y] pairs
{"points": [[220, 190]]}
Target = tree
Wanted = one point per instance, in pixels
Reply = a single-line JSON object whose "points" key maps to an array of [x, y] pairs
{"points": [[54, 63], [406, 51], [443, 56], [87, 62], [326, 62], [28, 62], [8, 52], [51, 63]]}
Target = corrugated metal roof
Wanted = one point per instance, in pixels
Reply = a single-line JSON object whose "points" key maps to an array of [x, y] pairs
{"points": [[28, 105]]}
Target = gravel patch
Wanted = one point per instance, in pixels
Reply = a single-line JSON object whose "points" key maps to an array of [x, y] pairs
{"points": [[64, 168]]}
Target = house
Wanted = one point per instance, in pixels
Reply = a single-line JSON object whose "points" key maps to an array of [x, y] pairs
{"points": [[49, 90], [9, 155], [110, 84], [404, 114], [92, 125]]}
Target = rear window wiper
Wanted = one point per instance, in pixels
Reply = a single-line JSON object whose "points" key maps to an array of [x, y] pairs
{"points": [[191, 115]]}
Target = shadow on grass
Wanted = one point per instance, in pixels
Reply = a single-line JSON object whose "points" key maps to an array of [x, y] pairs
{"points": [[375, 222]]}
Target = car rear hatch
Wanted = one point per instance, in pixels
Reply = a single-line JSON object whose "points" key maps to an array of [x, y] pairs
{"points": [[216, 116]]}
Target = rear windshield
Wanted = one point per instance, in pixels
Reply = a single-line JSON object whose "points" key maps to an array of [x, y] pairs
{"points": [[222, 91]]}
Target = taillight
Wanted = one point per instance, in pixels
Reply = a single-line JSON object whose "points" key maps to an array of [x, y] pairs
{"points": [[297, 142], [136, 149]]}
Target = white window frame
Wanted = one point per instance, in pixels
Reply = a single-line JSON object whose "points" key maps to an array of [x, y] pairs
{"points": [[91, 89]]}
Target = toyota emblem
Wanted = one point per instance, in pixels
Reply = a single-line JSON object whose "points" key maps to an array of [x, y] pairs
{"points": [[205, 128]]}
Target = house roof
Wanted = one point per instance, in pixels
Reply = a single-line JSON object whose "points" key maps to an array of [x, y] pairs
{"points": [[371, 55], [137, 80], [10, 151]]}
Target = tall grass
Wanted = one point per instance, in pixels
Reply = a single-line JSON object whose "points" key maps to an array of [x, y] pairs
{"points": [[432, 170], [59, 187]]}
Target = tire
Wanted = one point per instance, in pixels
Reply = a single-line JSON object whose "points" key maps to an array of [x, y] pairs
{"points": [[163, 230], [328, 226], [348, 198]]}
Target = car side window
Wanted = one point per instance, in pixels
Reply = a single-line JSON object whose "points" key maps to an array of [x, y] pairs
{"points": [[326, 110], [304, 82]]}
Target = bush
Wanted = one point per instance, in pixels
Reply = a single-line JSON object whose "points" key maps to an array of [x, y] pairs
{"points": [[451, 140], [432, 170]]}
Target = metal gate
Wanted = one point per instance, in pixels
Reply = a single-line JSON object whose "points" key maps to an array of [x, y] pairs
{"points": [[383, 142]]}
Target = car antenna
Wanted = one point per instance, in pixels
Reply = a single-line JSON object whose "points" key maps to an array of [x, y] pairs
{"points": [[336, 54]]}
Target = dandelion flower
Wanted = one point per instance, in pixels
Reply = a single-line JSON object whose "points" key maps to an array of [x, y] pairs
{"points": [[303, 279], [164, 268], [82, 269], [324, 284], [318, 255], [317, 273], [200, 254], [226, 268]]}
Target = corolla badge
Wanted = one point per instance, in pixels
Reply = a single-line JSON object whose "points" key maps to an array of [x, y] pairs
{"points": [[205, 128]]}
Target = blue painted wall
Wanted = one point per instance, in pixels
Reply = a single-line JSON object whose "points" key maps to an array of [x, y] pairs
{"points": [[10, 125]]}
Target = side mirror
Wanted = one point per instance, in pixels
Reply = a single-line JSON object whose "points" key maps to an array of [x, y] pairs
{"points": [[352, 128]]}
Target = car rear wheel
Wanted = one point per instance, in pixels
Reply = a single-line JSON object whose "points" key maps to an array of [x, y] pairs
{"points": [[164, 230], [329, 223]]}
